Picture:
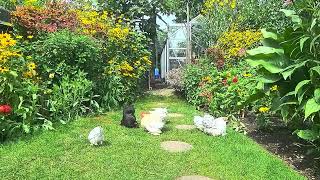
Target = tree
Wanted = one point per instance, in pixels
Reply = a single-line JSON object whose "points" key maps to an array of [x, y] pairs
{"points": [[145, 13]]}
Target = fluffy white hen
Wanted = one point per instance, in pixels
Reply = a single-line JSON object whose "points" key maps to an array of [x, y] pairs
{"points": [[154, 121], [96, 136], [163, 113], [210, 125]]}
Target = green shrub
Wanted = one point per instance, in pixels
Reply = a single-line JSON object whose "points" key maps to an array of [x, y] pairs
{"points": [[70, 98], [253, 14], [65, 53]]}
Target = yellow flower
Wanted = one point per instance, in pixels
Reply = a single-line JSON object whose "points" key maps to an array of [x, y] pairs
{"points": [[3, 69], [274, 88], [207, 79], [264, 109], [51, 75], [19, 37], [32, 65], [29, 74], [247, 75], [29, 37]]}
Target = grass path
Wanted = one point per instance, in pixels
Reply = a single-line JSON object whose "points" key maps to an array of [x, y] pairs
{"points": [[134, 154]]}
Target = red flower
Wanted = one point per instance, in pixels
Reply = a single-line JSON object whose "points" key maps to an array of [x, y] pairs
{"points": [[5, 109], [235, 79]]}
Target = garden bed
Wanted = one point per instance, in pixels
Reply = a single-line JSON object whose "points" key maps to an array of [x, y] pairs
{"points": [[281, 142]]}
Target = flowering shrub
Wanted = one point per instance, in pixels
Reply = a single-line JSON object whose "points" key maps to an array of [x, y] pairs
{"points": [[223, 93], [18, 92], [94, 23], [66, 61], [49, 18], [210, 5], [234, 42]]}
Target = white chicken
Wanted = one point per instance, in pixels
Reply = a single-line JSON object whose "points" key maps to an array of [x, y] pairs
{"points": [[96, 136], [208, 124], [154, 121], [163, 113]]}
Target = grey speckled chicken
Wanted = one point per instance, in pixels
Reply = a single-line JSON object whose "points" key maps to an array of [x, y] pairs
{"points": [[210, 125]]}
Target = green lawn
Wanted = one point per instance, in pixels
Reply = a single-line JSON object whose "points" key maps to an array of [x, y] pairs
{"points": [[134, 154]]}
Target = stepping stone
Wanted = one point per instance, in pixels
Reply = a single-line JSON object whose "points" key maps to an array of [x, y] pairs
{"points": [[193, 178], [185, 127], [163, 92], [175, 146], [175, 115]]}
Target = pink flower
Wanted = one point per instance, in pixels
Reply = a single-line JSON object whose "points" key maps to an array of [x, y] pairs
{"points": [[242, 52], [224, 82]]}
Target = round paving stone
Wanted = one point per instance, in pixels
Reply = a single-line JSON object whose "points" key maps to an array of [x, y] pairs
{"points": [[175, 146], [185, 127], [193, 178]]}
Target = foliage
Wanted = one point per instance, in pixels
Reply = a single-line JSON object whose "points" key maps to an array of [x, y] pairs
{"points": [[253, 14], [290, 62], [70, 98], [65, 53], [216, 19]]}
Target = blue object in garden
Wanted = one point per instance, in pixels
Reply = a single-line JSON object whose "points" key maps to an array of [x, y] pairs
{"points": [[156, 73]]}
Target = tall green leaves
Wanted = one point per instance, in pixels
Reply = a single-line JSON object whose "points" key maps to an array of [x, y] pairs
{"points": [[293, 57]]}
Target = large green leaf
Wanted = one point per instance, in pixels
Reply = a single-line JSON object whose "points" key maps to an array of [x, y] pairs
{"points": [[302, 41], [294, 17], [291, 69], [312, 44], [314, 22], [300, 85], [317, 95], [308, 135], [301, 94], [265, 50], [266, 34], [271, 67], [311, 107], [317, 69]]}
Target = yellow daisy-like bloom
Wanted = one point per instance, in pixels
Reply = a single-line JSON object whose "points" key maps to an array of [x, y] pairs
{"points": [[274, 88], [29, 74], [51, 75], [32, 65], [3, 69], [19, 37], [29, 37], [264, 109], [207, 79]]}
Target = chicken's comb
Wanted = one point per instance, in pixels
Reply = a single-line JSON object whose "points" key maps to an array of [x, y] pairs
{"points": [[142, 114]]}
